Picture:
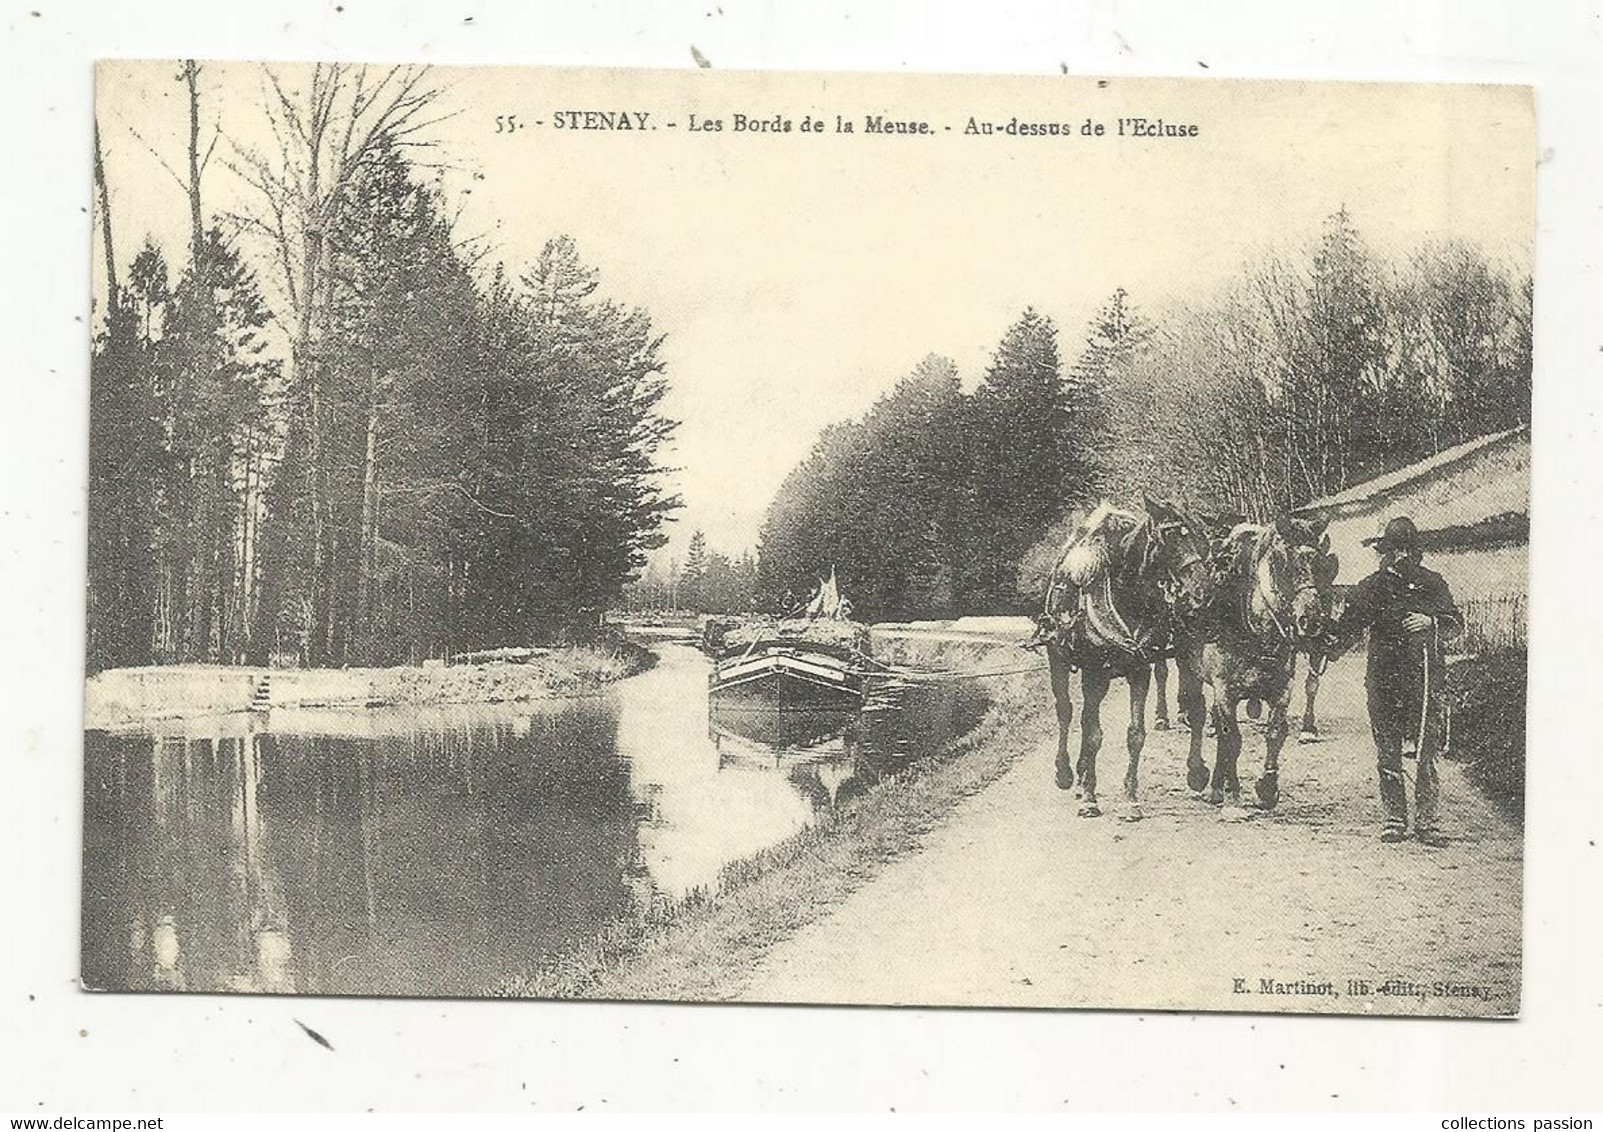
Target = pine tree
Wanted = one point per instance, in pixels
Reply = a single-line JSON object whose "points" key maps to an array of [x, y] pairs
{"points": [[1032, 459], [123, 446], [694, 575], [1329, 399], [1112, 403], [215, 352]]}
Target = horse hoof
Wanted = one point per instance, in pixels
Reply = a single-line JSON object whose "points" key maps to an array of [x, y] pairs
{"points": [[1216, 798], [1197, 778], [1090, 810], [1307, 735], [1065, 779], [1160, 725], [1268, 792]]}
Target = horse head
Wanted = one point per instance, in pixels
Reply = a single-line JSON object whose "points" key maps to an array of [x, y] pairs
{"points": [[1220, 527], [1299, 569], [1183, 551]]}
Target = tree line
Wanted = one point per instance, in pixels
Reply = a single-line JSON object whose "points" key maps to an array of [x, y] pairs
{"points": [[373, 450], [708, 581], [1306, 374]]}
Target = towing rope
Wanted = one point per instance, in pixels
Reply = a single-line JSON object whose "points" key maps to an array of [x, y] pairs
{"points": [[913, 676]]}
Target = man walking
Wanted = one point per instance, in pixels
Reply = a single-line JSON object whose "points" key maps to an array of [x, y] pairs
{"points": [[1408, 611]]}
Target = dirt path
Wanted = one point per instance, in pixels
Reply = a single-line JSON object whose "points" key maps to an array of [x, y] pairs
{"points": [[1016, 901]]}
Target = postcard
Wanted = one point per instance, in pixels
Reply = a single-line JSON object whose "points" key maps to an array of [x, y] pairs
{"points": [[815, 538]]}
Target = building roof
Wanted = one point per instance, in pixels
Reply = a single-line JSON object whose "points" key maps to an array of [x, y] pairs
{"points": [[1473, 495], [1421, 469]]}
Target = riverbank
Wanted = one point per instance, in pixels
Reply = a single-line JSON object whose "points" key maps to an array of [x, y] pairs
{"points": [[123, 697], [707, 945]]}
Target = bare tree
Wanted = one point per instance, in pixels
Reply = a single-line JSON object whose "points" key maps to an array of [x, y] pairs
{"points": [[322, 137], [197, 163], [324, 133], [105, 225]]}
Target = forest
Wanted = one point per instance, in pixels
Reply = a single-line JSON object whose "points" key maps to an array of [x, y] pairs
{"points": [[330, 432], [1307, 373]]}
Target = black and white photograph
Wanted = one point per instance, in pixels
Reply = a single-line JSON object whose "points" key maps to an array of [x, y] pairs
{"points": [[871, 539]]}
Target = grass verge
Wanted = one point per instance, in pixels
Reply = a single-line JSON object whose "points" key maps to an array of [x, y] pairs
{"points": [[121, 697], [1488, 702], [706, 946], [567, 671]]}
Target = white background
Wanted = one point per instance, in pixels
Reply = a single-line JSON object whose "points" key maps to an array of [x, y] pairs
{"points": [[61, 1050]]}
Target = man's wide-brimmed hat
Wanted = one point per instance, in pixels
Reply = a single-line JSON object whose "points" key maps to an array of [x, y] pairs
{"points": [[1400, 534]]}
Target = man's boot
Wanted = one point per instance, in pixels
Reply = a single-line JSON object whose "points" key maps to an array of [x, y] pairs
{"points": [[1394, 800]]}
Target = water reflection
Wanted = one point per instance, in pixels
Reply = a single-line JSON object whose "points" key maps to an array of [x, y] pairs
{"points": [[437, 851]]}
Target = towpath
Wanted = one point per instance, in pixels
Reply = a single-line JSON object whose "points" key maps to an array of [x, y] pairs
{"points": [[1016, 901]]}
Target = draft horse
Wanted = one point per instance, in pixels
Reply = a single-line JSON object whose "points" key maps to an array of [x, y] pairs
{"points": [[1109, 614], [1191, 612], [1273, 600]]}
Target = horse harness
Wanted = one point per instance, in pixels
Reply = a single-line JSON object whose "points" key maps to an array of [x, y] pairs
{"points": [[1175, 581], [1101, 612], [1105, 618], [1286, 639]]}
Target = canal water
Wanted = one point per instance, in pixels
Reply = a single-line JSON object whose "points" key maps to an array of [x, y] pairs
{"points": [[437, 851]]}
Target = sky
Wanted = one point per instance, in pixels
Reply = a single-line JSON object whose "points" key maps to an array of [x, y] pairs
{"points": [[797, 276]]}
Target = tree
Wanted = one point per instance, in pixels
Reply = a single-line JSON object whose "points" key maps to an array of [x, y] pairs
{"points": [[559, 500], [1330, 399], [1032, 459], [121, 453], [215, 370], [325, 137], [1474, 336], [694, 575], [401, 298], [1119, 397]]}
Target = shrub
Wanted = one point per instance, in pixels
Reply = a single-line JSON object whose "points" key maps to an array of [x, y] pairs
{"points": [[1488, 703]]}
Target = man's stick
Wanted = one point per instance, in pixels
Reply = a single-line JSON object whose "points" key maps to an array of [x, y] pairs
{"points": [[1424, 697]]}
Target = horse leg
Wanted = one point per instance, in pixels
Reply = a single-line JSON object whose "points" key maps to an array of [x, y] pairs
{"points": [[1061, 673], [1188, 695], [1093, 687], [1193, 712], [1226, 785], [1160, 677], [1274, 737], [1310, 687], [1135, 738], [1187, 669]]}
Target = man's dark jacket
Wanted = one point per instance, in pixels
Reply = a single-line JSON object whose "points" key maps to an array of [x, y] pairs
{"points": [[1397, 658]]}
